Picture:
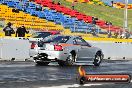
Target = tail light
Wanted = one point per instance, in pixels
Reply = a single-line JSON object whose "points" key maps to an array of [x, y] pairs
{"points": [[33, 45], [58, 48]]}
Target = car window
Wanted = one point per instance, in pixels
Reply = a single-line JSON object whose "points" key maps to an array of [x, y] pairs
{"points": [[80, 41], [87, 44], [58, 39], [46, 39]]}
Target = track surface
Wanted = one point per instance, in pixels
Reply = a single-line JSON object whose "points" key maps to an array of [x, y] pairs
{"points": [[28, 75]]}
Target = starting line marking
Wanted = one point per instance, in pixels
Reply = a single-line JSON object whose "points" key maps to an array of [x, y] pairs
{"points": [[75, 85]]}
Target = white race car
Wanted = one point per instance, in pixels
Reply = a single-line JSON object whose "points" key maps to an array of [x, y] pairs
{"points": [[66, 50]]}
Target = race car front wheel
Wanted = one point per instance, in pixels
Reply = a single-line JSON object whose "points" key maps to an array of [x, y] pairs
{"points": [[97, 60], [70, 59]]}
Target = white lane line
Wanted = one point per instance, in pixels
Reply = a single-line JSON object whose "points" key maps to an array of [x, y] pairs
{"points": [[67, 86], [16, 65], [2, 82], [75, 85]]}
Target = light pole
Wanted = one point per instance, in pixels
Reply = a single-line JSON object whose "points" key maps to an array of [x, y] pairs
{"points": [[1, 51], [125, 16]]}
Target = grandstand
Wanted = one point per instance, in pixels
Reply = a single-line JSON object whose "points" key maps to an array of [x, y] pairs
{"points": [[122, 1], [121, 5], [33, 22], [116, 3], [21, 18], [103, 13], [48, 15], [85, 19]]}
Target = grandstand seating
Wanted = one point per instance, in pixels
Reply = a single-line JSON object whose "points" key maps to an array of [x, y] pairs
{"points": [[51, 15], [30, 22], [116, 4], [96, 2], [121, 5], [74, 13], [76, 21], [80, 20], [101, 23]]}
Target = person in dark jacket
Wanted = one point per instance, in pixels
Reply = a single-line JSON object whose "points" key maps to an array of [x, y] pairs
{"points": [[21, 32], [73, 5], [8, 30], [94, 20], [112, 2]]}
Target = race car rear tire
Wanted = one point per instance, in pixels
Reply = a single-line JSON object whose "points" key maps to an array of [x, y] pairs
{"points": [[97, 60], [42, 63]]}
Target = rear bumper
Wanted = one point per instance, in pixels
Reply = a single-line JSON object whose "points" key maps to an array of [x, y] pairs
{"points": [[51, 56], [33, 52]]}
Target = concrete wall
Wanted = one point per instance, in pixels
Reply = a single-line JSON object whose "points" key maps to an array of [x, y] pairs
{"points": [[114, 50], [17, 48]]}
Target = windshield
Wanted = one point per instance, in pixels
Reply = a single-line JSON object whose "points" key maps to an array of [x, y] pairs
{"points": [[41, 34]]}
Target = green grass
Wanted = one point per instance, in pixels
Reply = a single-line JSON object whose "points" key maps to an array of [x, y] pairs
{"points": [[114, 15]]}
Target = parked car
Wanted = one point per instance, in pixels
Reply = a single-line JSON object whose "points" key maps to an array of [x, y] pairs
{"points": [[37, 36], [44, 34], [66, 50]]}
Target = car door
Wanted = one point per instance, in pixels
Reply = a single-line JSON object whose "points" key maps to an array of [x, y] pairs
{"points": [[86, 52], [88, 49]]}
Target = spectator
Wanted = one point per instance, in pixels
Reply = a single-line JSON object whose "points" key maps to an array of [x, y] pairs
{"points": [[31, 0], [8, 30], [94, 21], [75, 0], [109, 34], [122, 35], [116, 34], [110, 23], [59, 3], [27, 4], [73, 5], [53, 2], [95, 18], [21, 32], [15, 10], [38, 8], [106, 23], [93, 32], [127, 35], [112, 2]]}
